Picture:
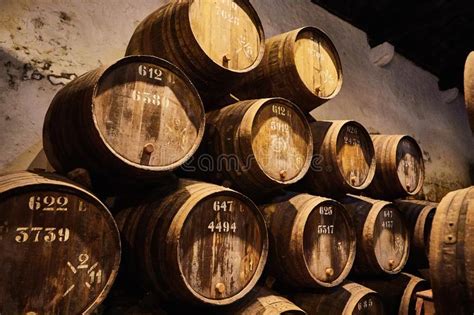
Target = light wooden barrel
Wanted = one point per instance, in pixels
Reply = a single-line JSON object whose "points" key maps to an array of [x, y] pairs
{"points": [[313, 241], [201, 244], [400, 168], [343, 158], [419, 216], [257, 145], [383, 241], [469, 88], [398, 293], [452, 254], [213, 42], [348, 299], [139, 118], [59, 245], [301, 65]]}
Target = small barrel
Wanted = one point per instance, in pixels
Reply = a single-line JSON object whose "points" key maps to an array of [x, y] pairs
{"points": [[256, 146], [383, 241], [469, 88], [343, 158], [301, 65], [349, 298], [213, 42], [201, 244], [398, 293], [263, 301], [59, 245], [452, 254], [140, 117], [400, 168], [313, 241], [418, 216]]}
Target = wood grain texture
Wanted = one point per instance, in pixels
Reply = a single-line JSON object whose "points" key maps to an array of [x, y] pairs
{"points": [[203, 244], [469, 88], [213, 41], [452, 254], [348, 299], [313, 241], [419, 216], [257, 145], [383, 241], [140, 117], [60, 246], [343, 158], [301, 65], [398, 293], [400, 168]]}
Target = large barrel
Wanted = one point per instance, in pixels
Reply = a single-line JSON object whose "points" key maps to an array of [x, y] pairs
{"points": [[469, 88], [301, 65], [256, 145], [383, 241], [59, 245], [343, 158], [201, 244], [349, 299], [418, 216], [398, 293], [452, 253], [214, 42], [139, 118], [400, 168], [313, 241]]}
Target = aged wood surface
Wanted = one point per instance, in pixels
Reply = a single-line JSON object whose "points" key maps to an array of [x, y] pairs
{"points": [[313, 241], [202, 243], [60, 246], [469, 88], [140, 117], [383, 241], [452, 254]]}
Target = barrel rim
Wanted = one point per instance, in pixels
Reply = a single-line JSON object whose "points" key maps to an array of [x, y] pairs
{"points": [[178, 72], [258, 24], [422, 162], [40, 180], [330, 43]]}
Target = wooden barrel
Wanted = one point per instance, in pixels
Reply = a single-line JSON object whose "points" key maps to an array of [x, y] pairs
{"points": [[301, 65], [256, 146], [398, 293], [59, 245], [313, 241], [418, 216], [213, 42], [469, 88], [140, 118], [383, 241], [263, 301], [343, 158], [348, 299], [452, 253], [400, 168], [201, 244]]}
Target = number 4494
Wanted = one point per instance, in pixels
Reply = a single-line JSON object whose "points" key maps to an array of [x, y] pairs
{"points": [[222, 227]]}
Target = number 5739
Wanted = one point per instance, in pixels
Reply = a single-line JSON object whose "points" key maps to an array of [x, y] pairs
{"points": [[41, 234]]}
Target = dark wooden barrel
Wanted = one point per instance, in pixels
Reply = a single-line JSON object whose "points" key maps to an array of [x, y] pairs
{"points": [[469, 88], [139, 118], [301, 65], [256, 146], [313, 241], [400, 168], [383, 241], [398, 292], [348, 299], [201, 244], [343, 158], [213, 42], [418, 216], [452, 253], [59, 245]]}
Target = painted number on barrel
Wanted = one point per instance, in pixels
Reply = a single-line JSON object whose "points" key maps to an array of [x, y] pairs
{"points": [[387, 224], [325, 210], [41, 234], [279, 126], [364, 304], [225, 206], [280, 110], [225, 14], [149, 98], [48, 203], [325, 229], [222, 227], [150, 72]]}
